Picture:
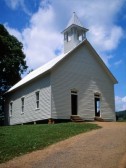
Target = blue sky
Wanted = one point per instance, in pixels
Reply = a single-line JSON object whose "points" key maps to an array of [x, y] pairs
{"points": [[38, 25]]}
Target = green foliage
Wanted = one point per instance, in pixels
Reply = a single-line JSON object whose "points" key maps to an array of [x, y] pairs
{"points": [[12, 61], [121, 115], [12, 58], [18, 140]]}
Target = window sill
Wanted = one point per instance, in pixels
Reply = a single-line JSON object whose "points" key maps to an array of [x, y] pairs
{"points": [[10, 116], [22, 113]]}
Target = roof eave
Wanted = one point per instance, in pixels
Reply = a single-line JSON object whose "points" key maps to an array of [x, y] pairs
{"points": [[76, 26], [84, 41], [11, 89], [70, 52]]}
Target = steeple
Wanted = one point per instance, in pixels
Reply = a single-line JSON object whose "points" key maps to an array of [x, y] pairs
{"points": [[74, 33], [74, 20]]}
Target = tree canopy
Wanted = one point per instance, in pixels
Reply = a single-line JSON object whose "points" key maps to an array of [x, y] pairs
{"points": [[12, 60]]}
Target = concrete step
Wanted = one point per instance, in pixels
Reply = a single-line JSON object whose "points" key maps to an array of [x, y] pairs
{"points": [[99, 119], [76, 118]]}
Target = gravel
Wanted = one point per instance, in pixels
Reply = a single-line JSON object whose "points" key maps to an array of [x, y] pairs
{"points": [[101, 148]]}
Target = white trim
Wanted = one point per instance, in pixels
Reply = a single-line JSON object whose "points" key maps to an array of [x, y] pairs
{"points": [[74, 91], [97, 93], [105, 68]]}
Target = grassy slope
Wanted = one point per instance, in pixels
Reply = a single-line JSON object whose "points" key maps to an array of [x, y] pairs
{"points": [[18, 140]]}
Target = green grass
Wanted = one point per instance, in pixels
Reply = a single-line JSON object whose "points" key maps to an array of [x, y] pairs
{"points": [[18, 140]]}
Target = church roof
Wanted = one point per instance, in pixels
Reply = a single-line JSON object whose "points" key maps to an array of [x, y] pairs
{"points": [[39, 71], [48, 66]]}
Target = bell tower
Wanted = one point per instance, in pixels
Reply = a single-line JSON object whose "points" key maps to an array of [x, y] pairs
{"points": [[74, 33]]}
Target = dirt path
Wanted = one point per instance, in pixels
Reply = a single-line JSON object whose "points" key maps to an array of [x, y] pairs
{"points": [[102, 148]]}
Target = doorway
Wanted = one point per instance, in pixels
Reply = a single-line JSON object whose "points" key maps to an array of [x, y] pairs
{"points": [[74, 102], [97, 105]]}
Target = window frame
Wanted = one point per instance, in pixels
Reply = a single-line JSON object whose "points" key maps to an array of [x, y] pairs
{"points": [[22, 105], [37, 99], [98, 96], [74, 91], [11, 108]]}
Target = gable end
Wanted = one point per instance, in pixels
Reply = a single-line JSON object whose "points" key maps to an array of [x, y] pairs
{"points": [[105, 68]]}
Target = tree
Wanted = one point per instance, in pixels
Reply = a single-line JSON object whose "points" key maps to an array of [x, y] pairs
{"points": [[12, 62]]}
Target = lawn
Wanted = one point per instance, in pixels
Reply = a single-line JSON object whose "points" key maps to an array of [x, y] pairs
{"points": [[18, 140]]}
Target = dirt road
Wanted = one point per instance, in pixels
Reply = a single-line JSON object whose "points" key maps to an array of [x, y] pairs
{"points": [[102, 148]]}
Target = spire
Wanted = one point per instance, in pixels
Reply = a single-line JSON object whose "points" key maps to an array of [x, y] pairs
{"points": [[74, 21], [74, 33]]}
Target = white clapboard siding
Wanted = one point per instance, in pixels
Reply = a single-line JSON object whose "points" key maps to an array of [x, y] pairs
{"points": [[41, 84], [82, 71]]}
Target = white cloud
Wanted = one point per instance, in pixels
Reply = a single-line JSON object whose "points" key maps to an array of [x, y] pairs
{"points": [[105, 39], [42, 37], [15, 4], [124, 99], [100, 17], [118, 63], [14, 32], [106, 57], [120, 103]]}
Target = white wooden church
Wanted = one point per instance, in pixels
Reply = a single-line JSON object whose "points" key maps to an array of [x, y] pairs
{"points": [[77, 83]]}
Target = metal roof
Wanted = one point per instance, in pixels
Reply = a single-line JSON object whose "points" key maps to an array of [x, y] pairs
{"points": [[74, 21], [37, 72], [48, 66]]}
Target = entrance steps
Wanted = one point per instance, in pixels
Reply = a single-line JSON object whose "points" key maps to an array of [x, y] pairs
{"points": [[98, 119], [76, 118]]}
